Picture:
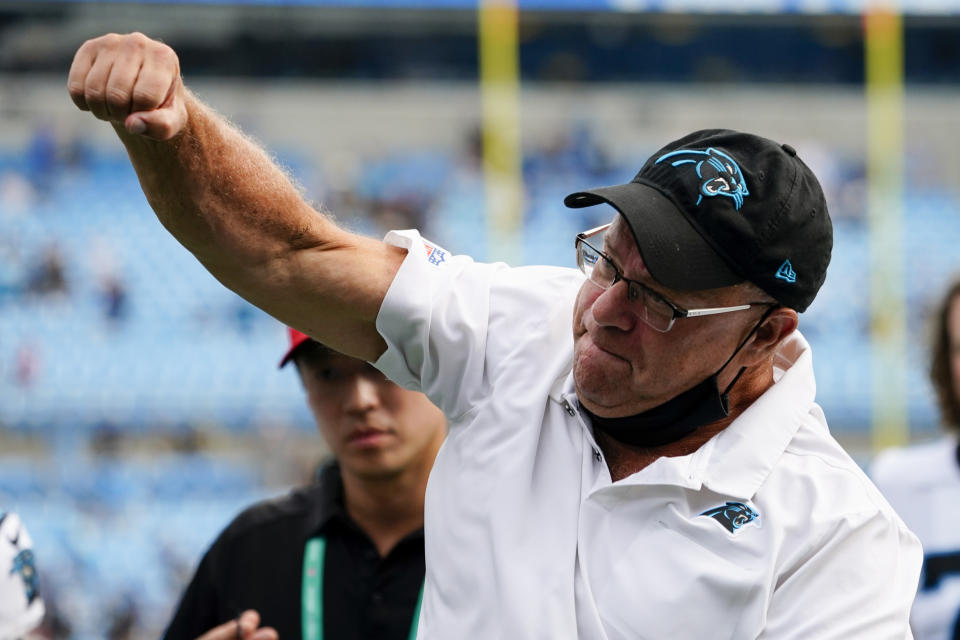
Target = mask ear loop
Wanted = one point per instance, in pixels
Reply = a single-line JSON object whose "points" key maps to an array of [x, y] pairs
{"points": [[724, 396]]}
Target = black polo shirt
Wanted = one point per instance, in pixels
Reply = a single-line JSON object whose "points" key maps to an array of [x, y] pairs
{"points": [[257, 563]]}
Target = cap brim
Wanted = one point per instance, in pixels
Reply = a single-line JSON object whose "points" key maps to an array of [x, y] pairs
{"points": [[297, 340], [288, 356], [674, 252]]}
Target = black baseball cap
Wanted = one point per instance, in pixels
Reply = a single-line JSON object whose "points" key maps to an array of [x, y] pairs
{"points": [[719, 207]]}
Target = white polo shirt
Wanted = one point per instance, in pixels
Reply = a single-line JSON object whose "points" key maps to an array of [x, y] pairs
{"points": [[922, 483], [768, 530]]}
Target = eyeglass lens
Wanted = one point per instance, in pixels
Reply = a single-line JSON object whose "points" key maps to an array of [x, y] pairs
{"points": [[648, 307]]}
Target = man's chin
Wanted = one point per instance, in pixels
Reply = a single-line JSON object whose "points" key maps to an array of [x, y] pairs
{"points": [[604, 395], [598, 396], [594, 367], [371, 471]]}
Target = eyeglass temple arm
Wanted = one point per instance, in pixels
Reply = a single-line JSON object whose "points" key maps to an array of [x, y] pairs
{"points": [[592, 232], [695, 313]]}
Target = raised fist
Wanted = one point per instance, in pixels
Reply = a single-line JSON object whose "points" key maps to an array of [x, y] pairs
{"points": [[130, 79]]}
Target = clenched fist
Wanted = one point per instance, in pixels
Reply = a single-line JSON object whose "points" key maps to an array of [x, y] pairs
{"points": [[130, 79]]}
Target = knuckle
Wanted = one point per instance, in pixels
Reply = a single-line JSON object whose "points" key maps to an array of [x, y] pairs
{"points": [[138, 41], [131, 45], [105, 42], [144, 43], [167, 56]]}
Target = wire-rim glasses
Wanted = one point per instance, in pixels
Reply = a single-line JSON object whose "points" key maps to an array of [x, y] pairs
{"points": [[655, 310]]}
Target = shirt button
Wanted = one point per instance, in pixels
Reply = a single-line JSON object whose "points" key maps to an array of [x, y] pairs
{"points": [[376, 598], [596, 455]]}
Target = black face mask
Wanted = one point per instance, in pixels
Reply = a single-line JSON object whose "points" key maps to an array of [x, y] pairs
{"points": [[679, 416]]}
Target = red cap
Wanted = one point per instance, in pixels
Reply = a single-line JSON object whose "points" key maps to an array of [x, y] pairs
{"points": [[296, 339]]}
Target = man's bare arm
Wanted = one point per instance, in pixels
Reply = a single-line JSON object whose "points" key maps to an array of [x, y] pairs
{"points": [[227, 202]]}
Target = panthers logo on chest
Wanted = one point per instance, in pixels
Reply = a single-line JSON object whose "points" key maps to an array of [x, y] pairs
{"points": [[732, 515]]}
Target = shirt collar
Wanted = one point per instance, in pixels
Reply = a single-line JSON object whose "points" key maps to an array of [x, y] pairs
{"points": [[744, 454], [331, 504], [332, 511], [736, 461]]}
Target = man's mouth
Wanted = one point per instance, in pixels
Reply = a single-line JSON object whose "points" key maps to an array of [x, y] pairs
{"points": [[606, 350], [367, 436]]}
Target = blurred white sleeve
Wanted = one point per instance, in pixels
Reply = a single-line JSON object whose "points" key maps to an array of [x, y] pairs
{"points": [[21, 607]]}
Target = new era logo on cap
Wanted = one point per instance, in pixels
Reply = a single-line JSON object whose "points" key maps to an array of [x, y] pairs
{"points": [[786, 272], [719, 207]]}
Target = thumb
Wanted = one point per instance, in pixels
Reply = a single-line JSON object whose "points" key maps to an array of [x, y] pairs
{"points": [[158, 124]]}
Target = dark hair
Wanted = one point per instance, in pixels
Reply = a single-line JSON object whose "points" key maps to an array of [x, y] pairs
{"points": [[940, 372], [309, 350]]}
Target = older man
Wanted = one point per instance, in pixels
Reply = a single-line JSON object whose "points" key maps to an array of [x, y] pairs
{"points": [[665, 473]]}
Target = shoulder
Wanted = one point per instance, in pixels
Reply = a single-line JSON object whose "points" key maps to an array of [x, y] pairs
{"points": [[294, 512], [816, 469], [827, 507]]}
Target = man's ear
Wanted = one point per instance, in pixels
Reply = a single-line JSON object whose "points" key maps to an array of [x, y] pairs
{"points": [[777, 326]]}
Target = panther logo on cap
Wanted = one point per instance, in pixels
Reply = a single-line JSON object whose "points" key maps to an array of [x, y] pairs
{"points": [[732, 515], [719, 174]]}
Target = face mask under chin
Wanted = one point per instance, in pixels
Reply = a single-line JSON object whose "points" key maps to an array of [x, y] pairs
{"points": [[674, 419]]}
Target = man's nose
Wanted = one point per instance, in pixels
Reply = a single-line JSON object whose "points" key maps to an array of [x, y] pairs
{"points": [[611, 308], [361, 394]]}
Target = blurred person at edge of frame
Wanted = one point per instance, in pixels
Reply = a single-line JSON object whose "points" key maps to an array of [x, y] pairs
{"points": [[922, 482], [343, 557], [21, 607]]}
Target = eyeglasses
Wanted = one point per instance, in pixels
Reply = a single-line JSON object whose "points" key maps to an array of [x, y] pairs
{"points": [[656, 311]]}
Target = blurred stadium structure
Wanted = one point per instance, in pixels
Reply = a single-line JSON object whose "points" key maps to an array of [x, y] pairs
{"points": [[139, 404]]}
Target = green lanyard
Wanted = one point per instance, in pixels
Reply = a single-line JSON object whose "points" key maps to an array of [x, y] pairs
{"points": [[312, 594]]}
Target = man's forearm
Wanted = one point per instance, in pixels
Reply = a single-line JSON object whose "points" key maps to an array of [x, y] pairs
{"points": [[224, 198], [221, 195]]}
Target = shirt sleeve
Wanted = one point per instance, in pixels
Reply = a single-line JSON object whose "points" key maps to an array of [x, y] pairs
{"points": [[450, 323], [842, 591]]}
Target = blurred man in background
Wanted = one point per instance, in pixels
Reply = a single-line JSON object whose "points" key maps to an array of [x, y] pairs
{"points": [[341, 558], [922, 482]]}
